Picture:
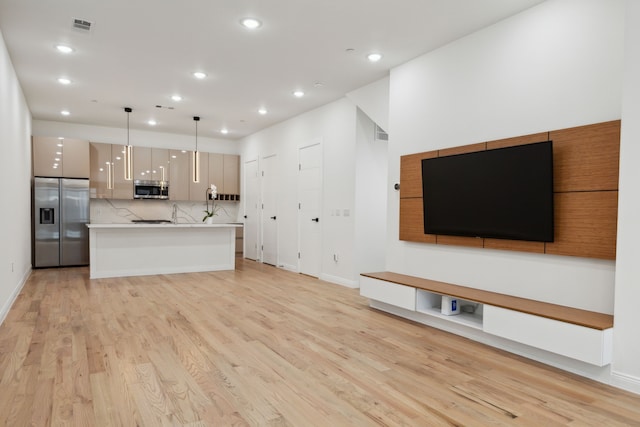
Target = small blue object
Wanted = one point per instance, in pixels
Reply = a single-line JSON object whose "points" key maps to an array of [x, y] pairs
{"points": [[454, 304]]}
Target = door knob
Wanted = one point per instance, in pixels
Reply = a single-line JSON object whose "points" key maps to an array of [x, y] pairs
{"points": [[315, 219], [273, 217]]}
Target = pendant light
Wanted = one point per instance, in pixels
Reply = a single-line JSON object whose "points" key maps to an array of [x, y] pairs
{"points": [[128, 150], [195, 158]]}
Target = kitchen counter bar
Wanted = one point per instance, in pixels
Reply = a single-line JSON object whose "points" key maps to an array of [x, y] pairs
{"points": [[117, 250]]}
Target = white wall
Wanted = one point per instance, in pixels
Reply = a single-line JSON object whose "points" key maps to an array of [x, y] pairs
{"points": [[15, 173], [373, 100], [142, 138], [371, 197], [333, 125], [626, 366], [554, 66]]}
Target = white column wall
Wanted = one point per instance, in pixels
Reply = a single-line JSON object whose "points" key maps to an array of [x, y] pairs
{"points": [[15, 173], [371, 197], [333, 125], [626, 357], [554, 66]]}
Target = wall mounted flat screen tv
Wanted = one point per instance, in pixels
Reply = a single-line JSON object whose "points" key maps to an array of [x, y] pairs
{"points": [[505, 193]]}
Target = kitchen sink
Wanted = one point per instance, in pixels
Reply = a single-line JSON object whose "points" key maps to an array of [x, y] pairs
{"points": [[151, 221]]}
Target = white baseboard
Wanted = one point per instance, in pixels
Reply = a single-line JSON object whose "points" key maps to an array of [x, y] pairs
{"points": [[340, 281], [289, 267], [627, 382], [7, 306]]}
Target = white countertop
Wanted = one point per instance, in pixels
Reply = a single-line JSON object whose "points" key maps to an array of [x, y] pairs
{"points": [[163, 225]]}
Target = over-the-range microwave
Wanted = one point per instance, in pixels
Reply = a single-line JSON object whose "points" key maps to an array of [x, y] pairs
{"points": [[143, 189]]}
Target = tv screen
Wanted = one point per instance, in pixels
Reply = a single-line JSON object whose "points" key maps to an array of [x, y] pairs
{"points": [[505, 193]]}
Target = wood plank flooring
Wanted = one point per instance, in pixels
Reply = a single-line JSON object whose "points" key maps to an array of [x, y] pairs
{"points": [[260, 346]]}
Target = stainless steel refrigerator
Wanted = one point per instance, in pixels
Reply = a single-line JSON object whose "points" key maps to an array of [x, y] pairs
{"points": [[60, 217]]}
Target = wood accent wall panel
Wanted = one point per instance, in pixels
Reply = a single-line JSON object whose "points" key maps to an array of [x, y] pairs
{"points": [[586, 158], [586, 164], [412, 221], [518, 140], [472, 242], [411, 174], [464, 149], [514, 245], [585, 224]]}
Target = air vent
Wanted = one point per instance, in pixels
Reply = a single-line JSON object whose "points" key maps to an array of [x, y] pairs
{"points": [[380, 134], [81, 24]]}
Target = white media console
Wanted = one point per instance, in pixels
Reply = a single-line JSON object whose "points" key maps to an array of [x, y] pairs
{"points": [[578, 334]]}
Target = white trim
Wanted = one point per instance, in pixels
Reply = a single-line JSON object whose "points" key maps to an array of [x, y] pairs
{"points": [[626, 382], [14, 295], [340, 281], [290, 267]]}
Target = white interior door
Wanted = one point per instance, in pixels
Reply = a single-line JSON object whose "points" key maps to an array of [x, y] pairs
{"points": [[310, 207], [269, 211], [251, 203]]}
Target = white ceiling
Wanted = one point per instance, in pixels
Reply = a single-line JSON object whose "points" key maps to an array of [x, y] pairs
{"points": [[140, 52]]}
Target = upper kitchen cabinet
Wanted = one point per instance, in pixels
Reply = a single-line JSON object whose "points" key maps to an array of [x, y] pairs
{"points": [[231, 175], [216, 171], [160, 164], [197, 190], [122, 188], [179, 174], [101, 178], [151, 164], [107, 172], [142, 163], [224, 172], [58, 157]]}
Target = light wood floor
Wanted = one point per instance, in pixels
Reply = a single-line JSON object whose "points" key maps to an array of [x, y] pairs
{"points": [[262, 347]]}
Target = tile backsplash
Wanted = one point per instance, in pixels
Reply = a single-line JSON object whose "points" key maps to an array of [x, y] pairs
{"points": [[108, 211]]}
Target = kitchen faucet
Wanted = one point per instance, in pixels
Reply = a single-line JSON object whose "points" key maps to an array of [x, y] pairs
{"points": [[174, 213]]}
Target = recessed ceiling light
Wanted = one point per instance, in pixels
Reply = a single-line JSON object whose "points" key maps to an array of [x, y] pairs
{"points": [[64, 49], [298, 94], [65, 112], [176, 98], [251, 23], [262, 111], [60, 144], [374, 57], [224, 131], [183, 151], [199, 75], [57, 159], [151, 122], [64, 81]]}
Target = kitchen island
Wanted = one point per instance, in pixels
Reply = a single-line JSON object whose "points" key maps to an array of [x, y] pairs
{"points": [[117, 250]]}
